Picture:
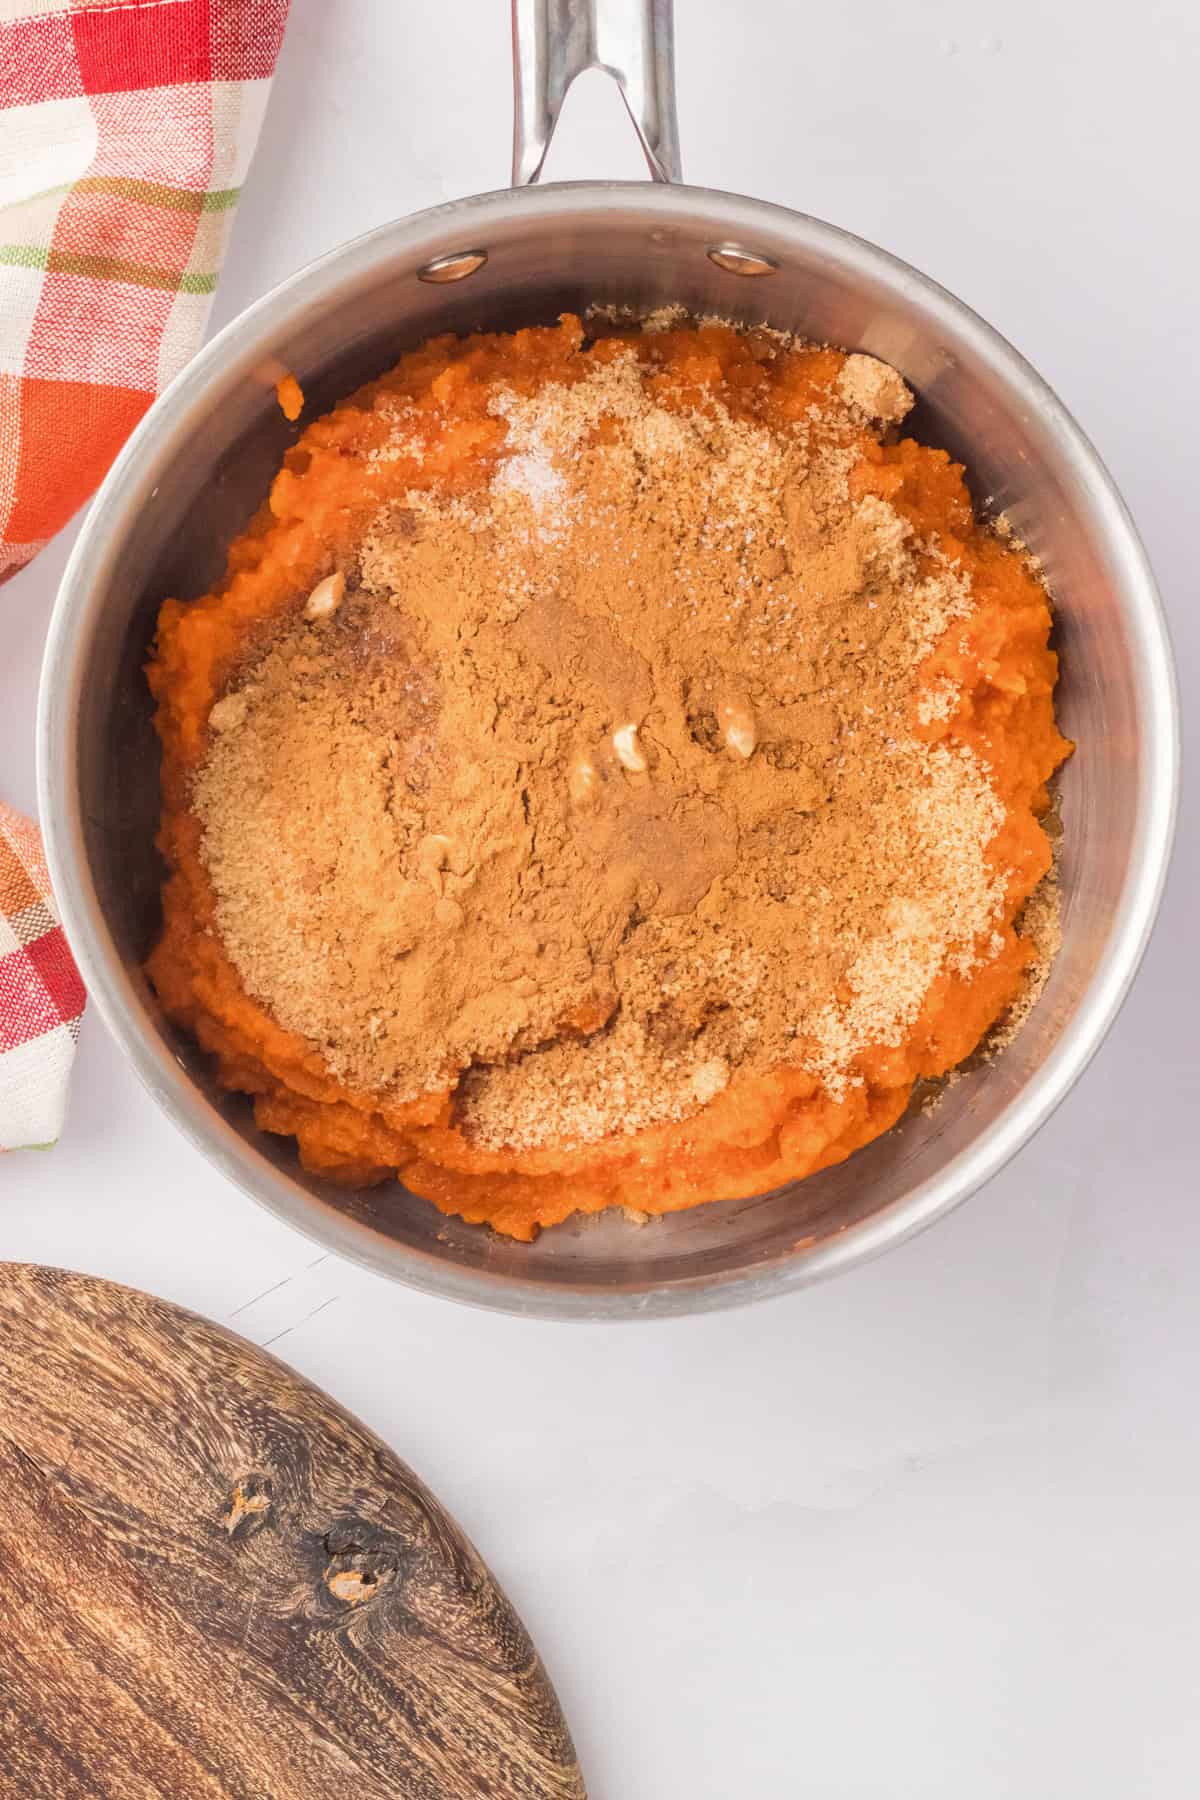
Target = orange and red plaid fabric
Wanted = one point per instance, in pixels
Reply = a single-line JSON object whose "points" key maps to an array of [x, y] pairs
{"points": [[126, 133], [41, 995], [126, 129]]}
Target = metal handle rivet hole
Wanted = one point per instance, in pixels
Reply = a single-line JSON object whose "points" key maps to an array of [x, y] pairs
{"points": [[738, 261], [455, 267]]}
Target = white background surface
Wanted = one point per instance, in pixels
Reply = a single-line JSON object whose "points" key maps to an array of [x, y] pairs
{"points": [[930, 1530]]}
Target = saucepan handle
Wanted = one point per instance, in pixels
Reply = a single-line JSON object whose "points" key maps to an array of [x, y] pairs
{"points": [[631, 40]]}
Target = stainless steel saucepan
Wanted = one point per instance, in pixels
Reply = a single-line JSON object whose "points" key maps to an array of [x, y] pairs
{"points": [[201, 461]]}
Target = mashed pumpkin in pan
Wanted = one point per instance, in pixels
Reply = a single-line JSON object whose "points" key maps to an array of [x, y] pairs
{"points": [[611, 770]]}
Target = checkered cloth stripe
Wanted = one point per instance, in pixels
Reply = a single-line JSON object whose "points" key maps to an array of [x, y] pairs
{"points": [[126, 130], [41, 995]]}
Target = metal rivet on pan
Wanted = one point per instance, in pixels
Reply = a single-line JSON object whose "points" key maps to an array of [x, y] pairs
{"points": [[455, 267], [737, 261]]}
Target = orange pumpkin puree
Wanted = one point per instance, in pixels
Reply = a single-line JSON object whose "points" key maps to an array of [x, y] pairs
{"points": [[764, 1129]]}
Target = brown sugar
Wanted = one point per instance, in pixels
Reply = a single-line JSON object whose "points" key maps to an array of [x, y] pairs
{"points": [[600, 785], [1041, 927], [874, 389]]}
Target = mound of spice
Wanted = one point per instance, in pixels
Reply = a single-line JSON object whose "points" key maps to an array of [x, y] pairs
{"points": [[656, 757]]}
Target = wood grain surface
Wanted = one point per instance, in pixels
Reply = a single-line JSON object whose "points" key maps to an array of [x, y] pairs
{"points": [[215, 1583]]}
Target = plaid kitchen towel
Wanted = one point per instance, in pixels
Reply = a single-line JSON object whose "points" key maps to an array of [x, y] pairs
{"points": [[41, 995], [126, 128]]}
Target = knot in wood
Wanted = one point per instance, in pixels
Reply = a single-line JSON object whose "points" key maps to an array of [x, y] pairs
{"points": [[248, 1506]]}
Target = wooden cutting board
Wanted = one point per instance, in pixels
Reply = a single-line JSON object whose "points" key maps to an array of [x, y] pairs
{"points": [[216, 1584]]}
